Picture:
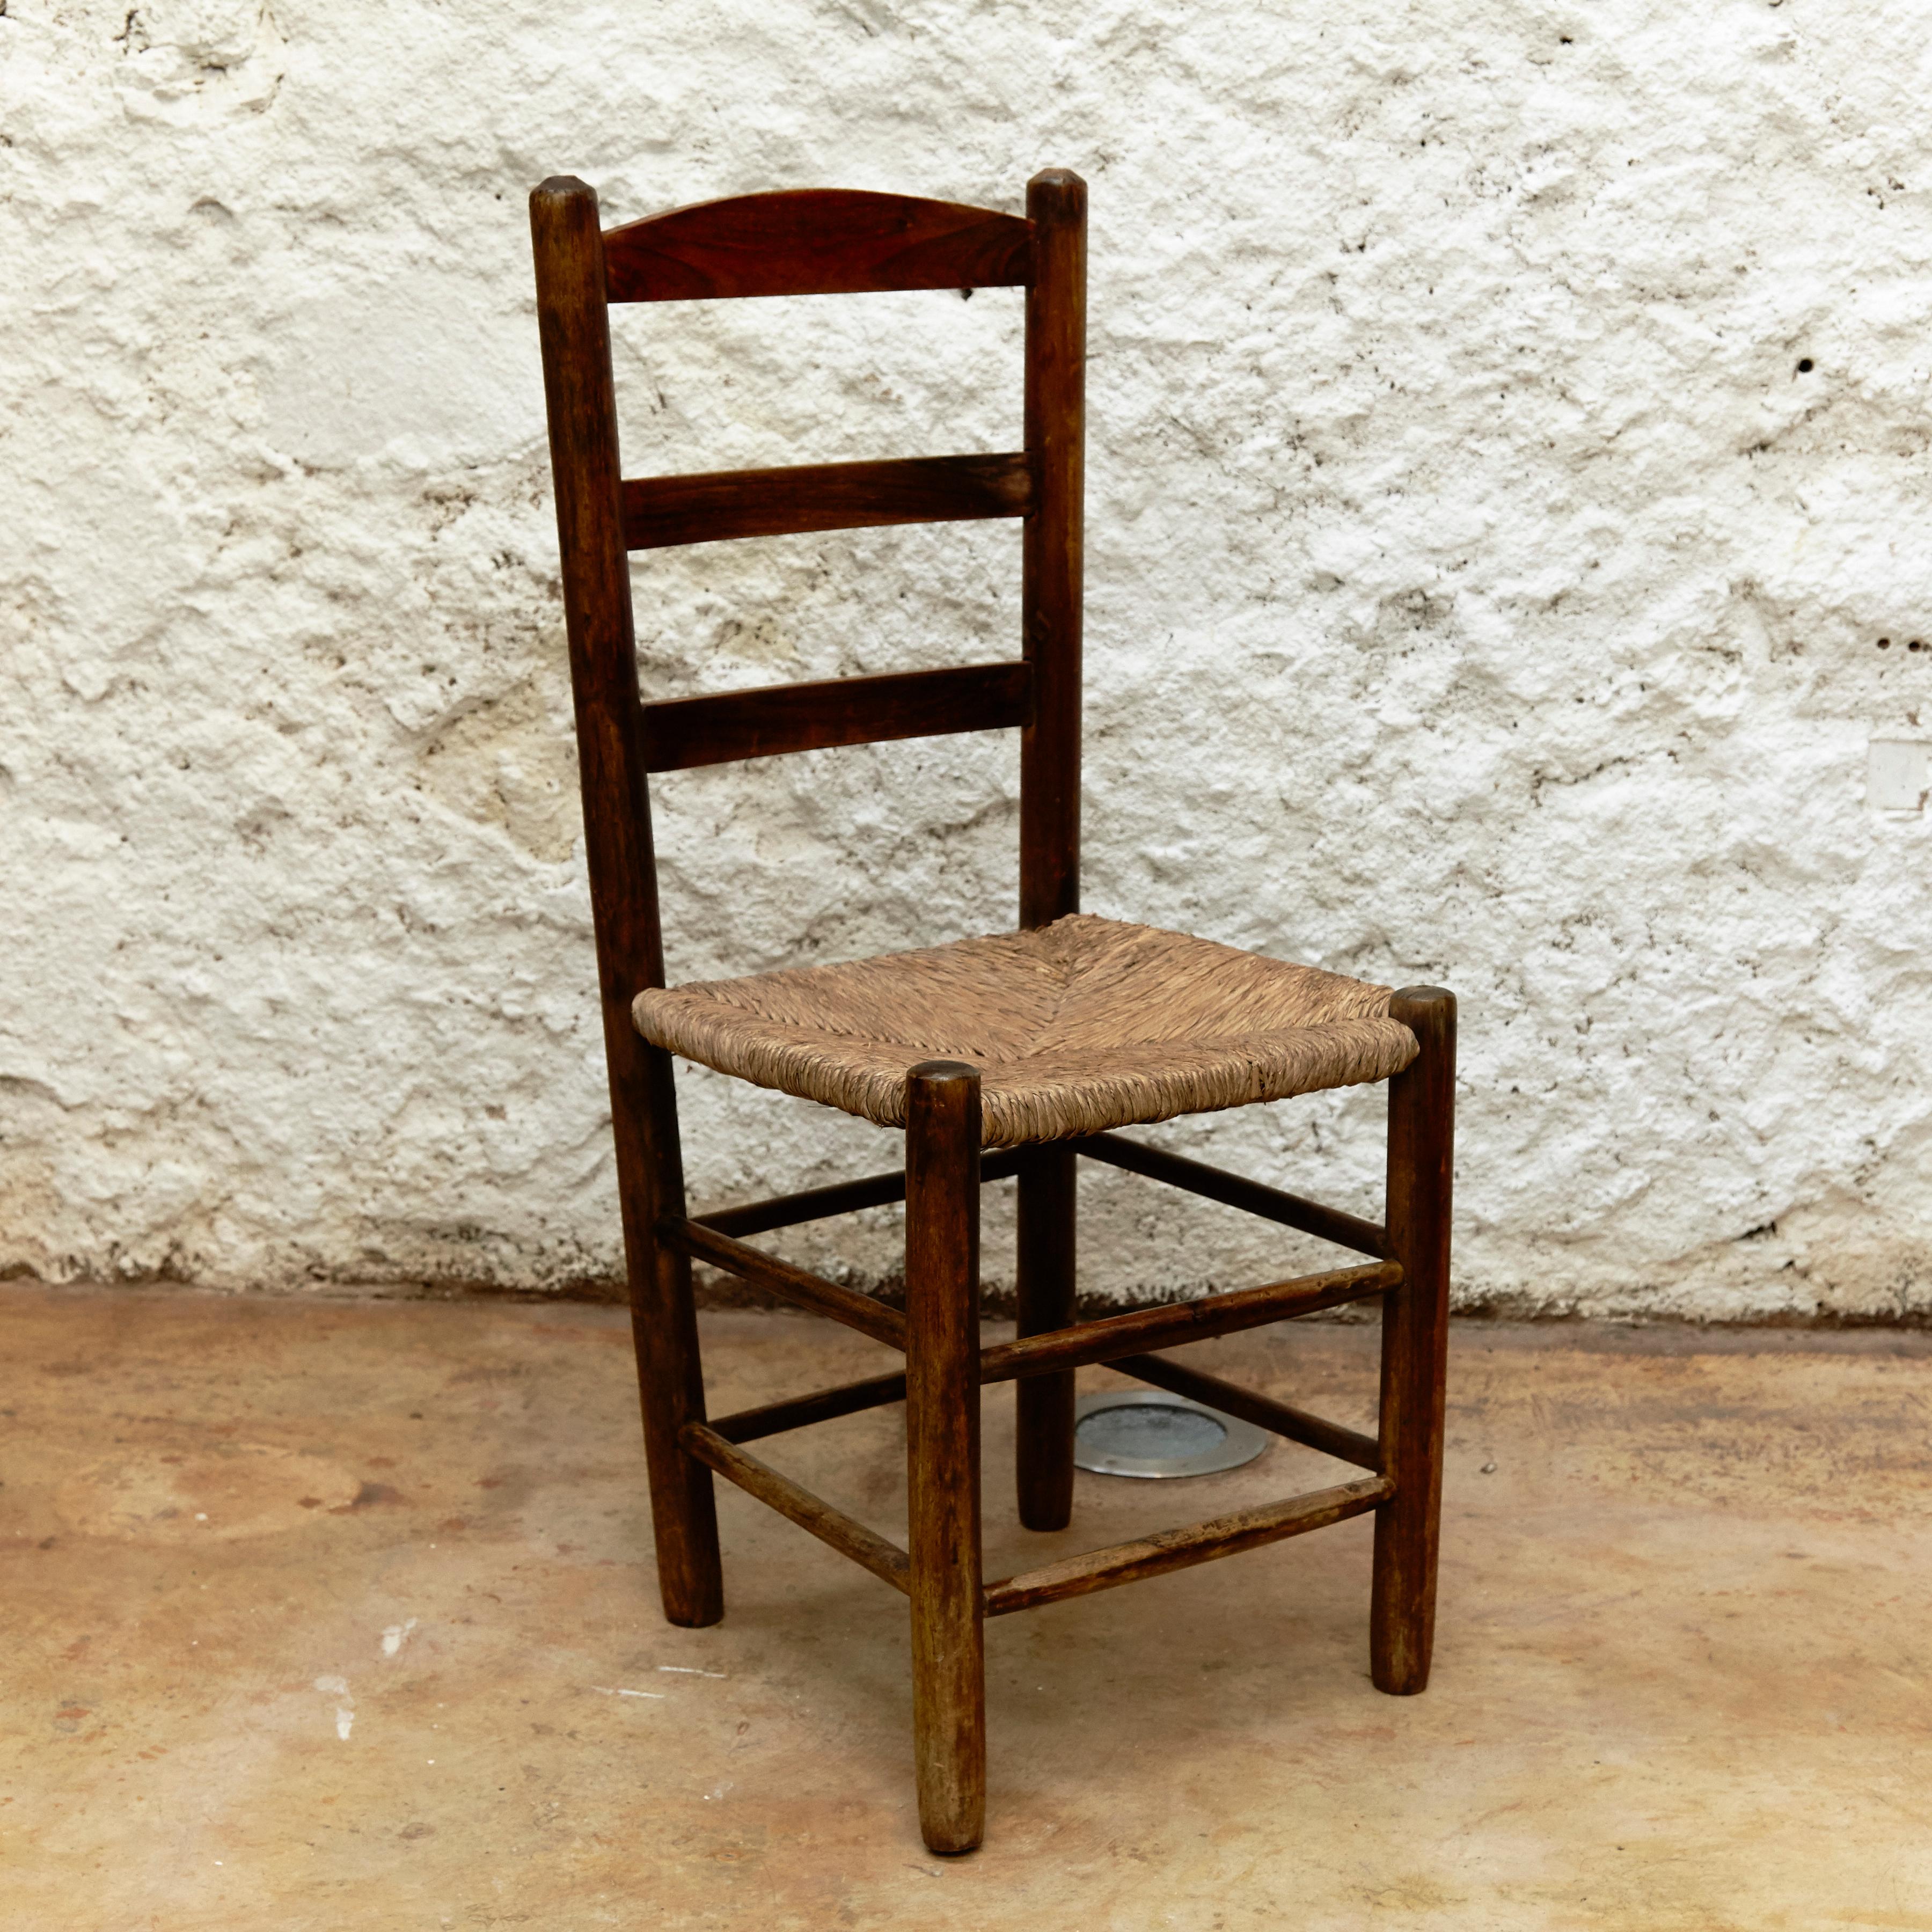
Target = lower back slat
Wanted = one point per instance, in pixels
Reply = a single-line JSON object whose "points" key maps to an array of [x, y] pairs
{"points": [[720, 504], [685, 732]]}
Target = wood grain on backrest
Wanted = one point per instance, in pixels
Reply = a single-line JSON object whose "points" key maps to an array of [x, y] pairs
{"points": [[659, 510], [680, 733], [814, 242], [800, 242]]}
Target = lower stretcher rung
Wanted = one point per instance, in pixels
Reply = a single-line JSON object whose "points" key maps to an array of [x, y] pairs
{"points": [[781, 1278], [1176, 1322], [846, 1534], [822, 1405], [1180, 1549], [1332, 1439]]}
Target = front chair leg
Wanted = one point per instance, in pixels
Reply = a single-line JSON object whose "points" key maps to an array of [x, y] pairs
{"points": [[949, 1687], [1415, 1338]]}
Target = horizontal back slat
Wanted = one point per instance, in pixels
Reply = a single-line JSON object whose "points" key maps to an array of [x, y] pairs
{"points": [[814, 242], [725, 503], [684, 732]]}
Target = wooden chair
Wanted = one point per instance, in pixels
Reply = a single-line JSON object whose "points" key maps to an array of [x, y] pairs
{"points": [[1036, 1044]]}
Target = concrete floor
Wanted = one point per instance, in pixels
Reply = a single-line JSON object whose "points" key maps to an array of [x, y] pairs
{"points": [[331, 1615]]}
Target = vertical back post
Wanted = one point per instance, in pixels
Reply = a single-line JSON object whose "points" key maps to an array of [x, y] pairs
{"points": [[1050, 590], [1051, 594], [573, 324]]}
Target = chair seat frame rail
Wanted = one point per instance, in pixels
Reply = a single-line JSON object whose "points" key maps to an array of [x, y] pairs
{"points": [[840, 242]]}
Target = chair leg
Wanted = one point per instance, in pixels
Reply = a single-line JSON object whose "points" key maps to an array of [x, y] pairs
{"points": [[664, 1326], [1046, 1285], [1415, 1334], [949, 1693]]}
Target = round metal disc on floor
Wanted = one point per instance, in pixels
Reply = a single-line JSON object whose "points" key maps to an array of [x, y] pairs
{"points": [[1148, 1432]]}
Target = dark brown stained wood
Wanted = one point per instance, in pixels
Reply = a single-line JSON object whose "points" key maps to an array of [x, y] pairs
{"points": [[1263, 1411], [845, 1534], [1043, 1466], [775, 1417], [1050, 592], [814, 242], [1149, 1328], [815, 1203], [942, 1271], [1052, 566], [843, 1197], [798, 1285], [573, 325], [837, 241], [685, 732], [724, 504], [1270, 1204], [1415, 1342], [1181, 1549]]}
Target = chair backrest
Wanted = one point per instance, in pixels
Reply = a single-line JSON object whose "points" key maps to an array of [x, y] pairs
{"points": [[828, 241]]}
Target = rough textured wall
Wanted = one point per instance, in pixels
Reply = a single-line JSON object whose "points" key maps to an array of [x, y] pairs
{"points": [[1507, 529]]}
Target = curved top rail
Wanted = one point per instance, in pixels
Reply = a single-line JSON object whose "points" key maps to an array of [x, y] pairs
{"points": [[814, 242]]}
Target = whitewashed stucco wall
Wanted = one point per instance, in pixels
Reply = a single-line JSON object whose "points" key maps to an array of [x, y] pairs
{"points": [[1509, 446]]}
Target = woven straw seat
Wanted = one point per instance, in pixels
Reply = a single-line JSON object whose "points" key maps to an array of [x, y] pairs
{"points": [[1078, 1027]]}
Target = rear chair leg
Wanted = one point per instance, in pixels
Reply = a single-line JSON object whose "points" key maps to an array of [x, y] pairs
{"points": [[949, 1693], [1046, 1293], [1415, 1335], [664, 1326]]}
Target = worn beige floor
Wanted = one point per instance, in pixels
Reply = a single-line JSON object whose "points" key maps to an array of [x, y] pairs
{"points": [[333, 1615]]}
